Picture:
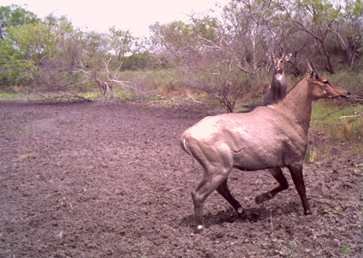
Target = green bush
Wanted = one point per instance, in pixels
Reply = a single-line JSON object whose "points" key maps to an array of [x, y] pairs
{"points": [[162, 80], [143, 60], [14, 69]]}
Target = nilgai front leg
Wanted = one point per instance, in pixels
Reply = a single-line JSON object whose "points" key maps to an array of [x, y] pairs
{"points": [[298, 179]]}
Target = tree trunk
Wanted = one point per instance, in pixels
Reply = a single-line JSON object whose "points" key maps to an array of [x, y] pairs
{"points": [[329, 66]]}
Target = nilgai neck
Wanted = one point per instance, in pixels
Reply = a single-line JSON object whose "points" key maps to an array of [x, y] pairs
{"points": [[298, 104]]}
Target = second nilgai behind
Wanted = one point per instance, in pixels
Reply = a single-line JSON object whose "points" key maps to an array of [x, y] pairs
{"points": [[278, 88], [269, 137]]}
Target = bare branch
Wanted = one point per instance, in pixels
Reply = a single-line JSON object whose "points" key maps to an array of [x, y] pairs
{"points": [[243, 69], [302, 27]]}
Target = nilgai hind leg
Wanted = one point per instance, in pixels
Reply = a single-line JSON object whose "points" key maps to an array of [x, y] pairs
{"points": [[210, 182], [283, 185], [224, 191]]}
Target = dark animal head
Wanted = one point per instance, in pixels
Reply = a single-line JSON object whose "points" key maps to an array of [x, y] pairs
{"points": [[279, 62]]}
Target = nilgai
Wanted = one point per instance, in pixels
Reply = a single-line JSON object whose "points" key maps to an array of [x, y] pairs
{"points": [[278, 88], [269, 137]]}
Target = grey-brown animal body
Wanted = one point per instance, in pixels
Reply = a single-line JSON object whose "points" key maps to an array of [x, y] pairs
{"points": [[237, 142], [269, 137]]}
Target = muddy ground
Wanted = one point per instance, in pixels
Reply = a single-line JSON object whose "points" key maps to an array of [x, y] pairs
{"points": [[110, 180]]}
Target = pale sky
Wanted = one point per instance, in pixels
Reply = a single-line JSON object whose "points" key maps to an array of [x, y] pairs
{"points": [[133, 15]]}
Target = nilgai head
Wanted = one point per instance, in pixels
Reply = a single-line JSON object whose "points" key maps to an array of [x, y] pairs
{"points": [[279, 62], [321, 87]]}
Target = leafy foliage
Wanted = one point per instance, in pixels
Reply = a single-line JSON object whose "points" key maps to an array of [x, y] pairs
{"points": [[14, 15], [14, 69]]}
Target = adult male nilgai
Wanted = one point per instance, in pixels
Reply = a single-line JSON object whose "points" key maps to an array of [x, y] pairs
{"points": [[269, 137]]}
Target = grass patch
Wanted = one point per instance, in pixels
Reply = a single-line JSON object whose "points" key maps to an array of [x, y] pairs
{"points": [[334, 123], [345, 250], [339, 121], [11, 96], [54, 97], [124, 95], [165, 87], [162, 80], [57, 98], [64, 97], [91, 95]]}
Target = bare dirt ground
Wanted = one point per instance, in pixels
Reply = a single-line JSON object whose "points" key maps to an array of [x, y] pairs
{"points": [[110, 180]]}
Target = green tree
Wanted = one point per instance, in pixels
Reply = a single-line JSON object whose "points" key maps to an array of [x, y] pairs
{"points": [[315, 18], [14, 15], [142, 60], [348, 30], [34, 41], [14, 69], [21, 45], [121, 43]]}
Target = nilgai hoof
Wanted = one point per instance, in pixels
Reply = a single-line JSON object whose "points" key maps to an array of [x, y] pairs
{"points": [[199, 228], [240, 212], [308, 212]]}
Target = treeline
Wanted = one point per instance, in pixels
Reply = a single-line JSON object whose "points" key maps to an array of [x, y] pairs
{"points": [[52, 54], [223, 53]]}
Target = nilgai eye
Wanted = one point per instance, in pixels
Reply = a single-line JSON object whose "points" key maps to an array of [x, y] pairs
{"points": [[325, 81]]}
